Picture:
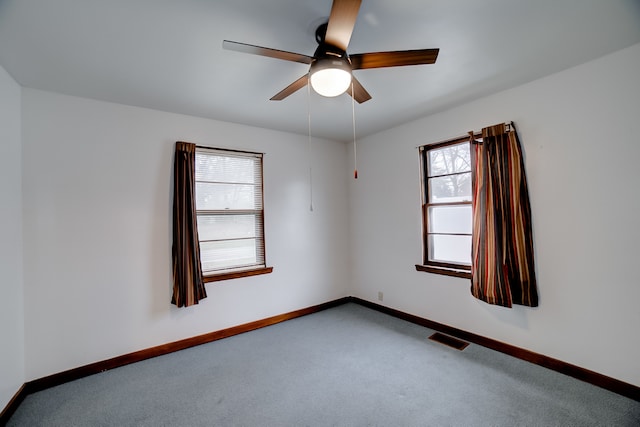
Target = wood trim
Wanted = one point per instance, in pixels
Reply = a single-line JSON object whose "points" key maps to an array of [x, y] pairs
{"points": [[620, 387], [449, 265], [608, 383], [204, 147], [425, 178], [444, 271], [462, 203], [237, 274], [13, 404], [452, 141], [137, 356]]}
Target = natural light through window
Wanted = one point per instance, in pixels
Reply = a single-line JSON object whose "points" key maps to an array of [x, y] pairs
{"points": [[229, 210], [447, 220]]}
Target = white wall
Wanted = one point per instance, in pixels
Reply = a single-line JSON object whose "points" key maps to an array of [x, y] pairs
{"points": [[96, 211], [579, 133], [11, 284], [97, 181]]}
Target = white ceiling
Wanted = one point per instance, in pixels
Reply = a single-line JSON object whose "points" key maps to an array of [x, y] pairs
{"points": [[167, 54]]}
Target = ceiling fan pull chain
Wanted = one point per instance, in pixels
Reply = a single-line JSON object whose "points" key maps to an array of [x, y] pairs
{"points": [[353, 121], [310, 152]]}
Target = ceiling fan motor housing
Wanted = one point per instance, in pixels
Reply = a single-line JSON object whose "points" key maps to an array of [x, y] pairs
{"points": [[327, 56], [330, 57]]}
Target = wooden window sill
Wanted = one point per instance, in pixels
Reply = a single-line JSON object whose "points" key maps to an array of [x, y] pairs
{"points": [[236, 274], [444, 271]]}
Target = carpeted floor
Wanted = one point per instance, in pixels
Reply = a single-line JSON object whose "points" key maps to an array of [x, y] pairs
{"points": [[346, 366]]}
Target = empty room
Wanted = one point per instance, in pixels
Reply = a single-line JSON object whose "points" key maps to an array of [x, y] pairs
{"points": [[335, 212]]}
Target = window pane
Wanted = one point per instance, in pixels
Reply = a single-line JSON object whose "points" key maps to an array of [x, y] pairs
{"points": [[454, 188], [221, 227], [224, 168], [453, 249], [227, 196], [450, 219], [449, 159], [228, 254], [229, 184]]}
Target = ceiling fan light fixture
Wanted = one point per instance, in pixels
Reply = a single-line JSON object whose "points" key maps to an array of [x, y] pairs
{"points": [[331, 66], [330, 76]]}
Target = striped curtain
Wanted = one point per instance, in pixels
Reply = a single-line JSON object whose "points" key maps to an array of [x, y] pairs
{"points": [[502, 270], [188, 287]]}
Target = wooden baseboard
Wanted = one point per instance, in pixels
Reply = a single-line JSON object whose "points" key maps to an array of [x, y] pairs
{"points": [[105, 365], [577, 372], [13, 404], [620, 387]]}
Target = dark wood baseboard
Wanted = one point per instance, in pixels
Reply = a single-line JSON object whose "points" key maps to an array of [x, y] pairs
{"points": [[105, 365], [13, 404], [608, 383], [620, 387]]}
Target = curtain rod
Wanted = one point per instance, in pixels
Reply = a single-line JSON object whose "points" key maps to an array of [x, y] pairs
{"points": [[509, 125]]}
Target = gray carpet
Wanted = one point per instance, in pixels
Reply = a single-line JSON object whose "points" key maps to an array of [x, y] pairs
{"points": [[346, 366]]}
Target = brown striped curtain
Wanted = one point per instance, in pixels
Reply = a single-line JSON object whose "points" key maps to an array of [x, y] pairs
{"points": [[188, 287], [502, 270]]}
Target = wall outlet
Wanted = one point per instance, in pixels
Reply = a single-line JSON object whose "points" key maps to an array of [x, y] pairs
{"points": [[380, 296]]}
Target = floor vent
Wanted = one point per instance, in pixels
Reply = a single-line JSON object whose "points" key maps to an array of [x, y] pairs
{"points": [[450, 341]]}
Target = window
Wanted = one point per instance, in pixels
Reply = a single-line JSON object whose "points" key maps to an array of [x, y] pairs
{"points": [[446, 207], [229, 209]]}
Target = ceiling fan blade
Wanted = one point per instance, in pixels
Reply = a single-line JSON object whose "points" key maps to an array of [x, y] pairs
{"points": [[360, 94], [266, 51], [341, 22], [398, 58], [293, 87]]}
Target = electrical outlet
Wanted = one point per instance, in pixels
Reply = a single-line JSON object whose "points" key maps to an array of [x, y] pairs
{"points": [[380, 296]]}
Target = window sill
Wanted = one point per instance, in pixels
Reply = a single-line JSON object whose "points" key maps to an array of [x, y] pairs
{"points": [[444, 271], [236, 274]]}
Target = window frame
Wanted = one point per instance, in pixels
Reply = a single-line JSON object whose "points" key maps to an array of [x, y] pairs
{"points": [[238, 272], [430, 266]]}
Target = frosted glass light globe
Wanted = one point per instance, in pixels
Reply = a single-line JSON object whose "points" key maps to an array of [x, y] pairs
{"points": [[330, 77]]}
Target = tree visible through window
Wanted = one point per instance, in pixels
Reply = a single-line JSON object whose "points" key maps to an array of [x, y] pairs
{"points": [[229, 208], [446, 206]]}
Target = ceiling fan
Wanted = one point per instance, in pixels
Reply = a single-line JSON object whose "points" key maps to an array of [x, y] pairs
{"points": [[330, 71]]}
